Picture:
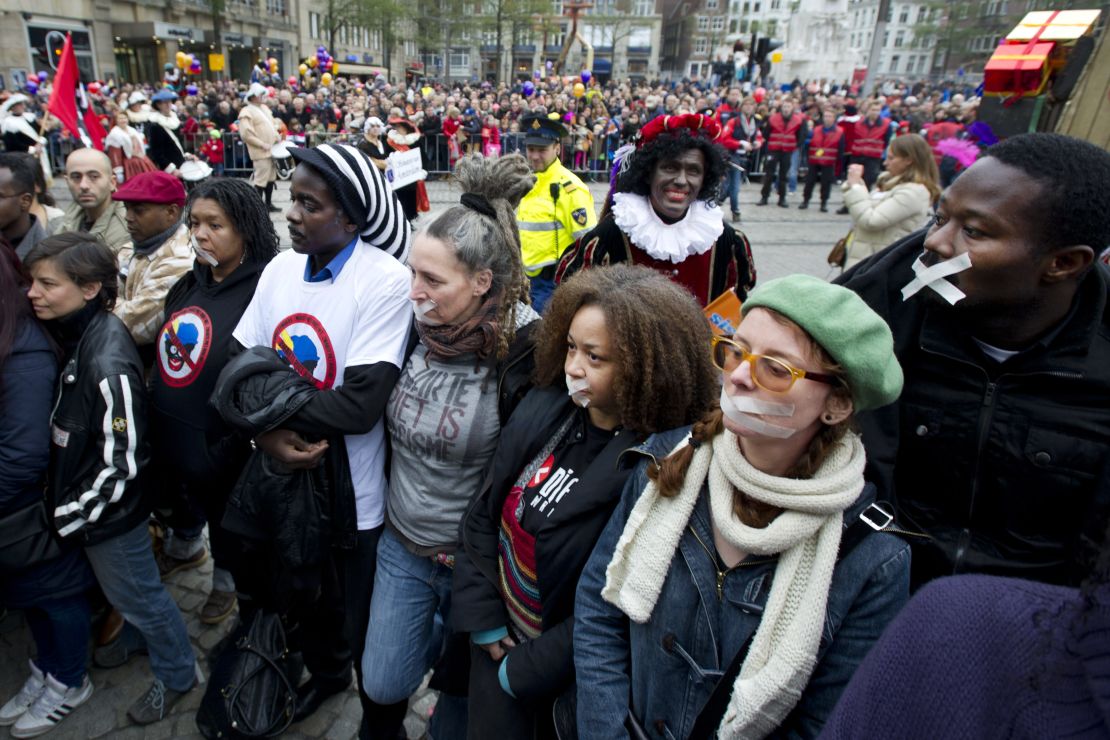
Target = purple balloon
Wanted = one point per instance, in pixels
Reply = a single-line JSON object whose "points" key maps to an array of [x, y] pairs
{"points": [[528, 88], [32, 86], [536, 74], [569, 117], [586, 76], [191, 89], [549, 65], [43, 75]]}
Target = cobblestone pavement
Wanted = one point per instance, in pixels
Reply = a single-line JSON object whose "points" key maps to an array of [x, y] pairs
{"points": [[784, 241]]}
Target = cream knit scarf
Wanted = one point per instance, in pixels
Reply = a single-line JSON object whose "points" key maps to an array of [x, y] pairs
{"points": [[806, 536]]}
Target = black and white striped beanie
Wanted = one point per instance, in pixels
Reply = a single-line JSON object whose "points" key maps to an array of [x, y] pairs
{"points": [[363, 194]]}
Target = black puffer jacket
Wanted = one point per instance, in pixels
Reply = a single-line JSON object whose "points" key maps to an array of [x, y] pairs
{"points": [[299, 511], [543, 666], [99, 448], [997, 462]]}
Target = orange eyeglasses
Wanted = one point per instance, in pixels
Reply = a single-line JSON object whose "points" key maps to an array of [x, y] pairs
{"points": [[769, 373]]}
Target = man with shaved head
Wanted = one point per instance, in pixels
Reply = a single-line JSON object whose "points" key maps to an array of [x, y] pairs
{"points": [[91, 182]]}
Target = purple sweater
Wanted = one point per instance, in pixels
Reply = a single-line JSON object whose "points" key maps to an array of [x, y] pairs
{"points": [[985, 657]]}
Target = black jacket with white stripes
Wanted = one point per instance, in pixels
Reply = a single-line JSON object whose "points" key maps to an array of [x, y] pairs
{"points": [[98, 436]]}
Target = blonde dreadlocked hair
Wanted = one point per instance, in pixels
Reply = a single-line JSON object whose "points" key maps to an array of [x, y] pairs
{"points": [[484, 243]]}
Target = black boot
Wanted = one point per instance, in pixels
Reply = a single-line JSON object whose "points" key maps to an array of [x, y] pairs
{"points": [[270, 199], [842, 211], [782, 203], [762, 201], [824, 208], [804, 205]]}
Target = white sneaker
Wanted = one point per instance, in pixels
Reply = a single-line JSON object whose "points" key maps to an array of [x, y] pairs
{"points": [[21, 702], [54, 705]]}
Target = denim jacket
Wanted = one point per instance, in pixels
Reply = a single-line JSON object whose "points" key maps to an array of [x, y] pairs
{"points": [[665, 670]]}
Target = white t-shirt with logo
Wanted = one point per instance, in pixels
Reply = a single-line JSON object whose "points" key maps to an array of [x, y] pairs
{"points": [[322, 328]]}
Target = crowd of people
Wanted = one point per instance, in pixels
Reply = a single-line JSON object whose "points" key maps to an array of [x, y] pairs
{"points": [[502, 444]]}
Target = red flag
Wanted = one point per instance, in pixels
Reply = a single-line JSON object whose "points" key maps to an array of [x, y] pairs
{"points": [[63, 98]]}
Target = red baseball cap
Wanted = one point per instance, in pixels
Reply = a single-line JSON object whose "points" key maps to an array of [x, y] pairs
{"points": [[152, 187]]}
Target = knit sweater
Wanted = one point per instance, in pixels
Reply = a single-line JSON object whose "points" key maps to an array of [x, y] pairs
{"points": [[985, 657]]}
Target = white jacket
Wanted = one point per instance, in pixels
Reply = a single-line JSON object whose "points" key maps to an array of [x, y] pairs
{"points": [[883, 217]]}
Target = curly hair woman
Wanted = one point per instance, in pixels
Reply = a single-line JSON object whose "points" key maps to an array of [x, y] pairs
{"points": [[663, 213], [469, 362], [621, 356], [735, 574], [197, 457]]}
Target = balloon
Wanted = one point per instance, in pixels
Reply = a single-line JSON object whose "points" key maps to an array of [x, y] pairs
{"points": [[579, 89], [586, 76], [42, 76], [303, 69], [270, 91], [334, 67], [537, 74], [759, 94], [93, 87], [313, 61], [272, 61], [190, 89], [426, 90], [234, 127], [273, 67], [569, 117], [292, 80], [325, 79], [321, 50], [549, 65], [528, 89], [32, 86]]}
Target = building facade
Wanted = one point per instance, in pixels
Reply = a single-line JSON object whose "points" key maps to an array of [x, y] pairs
{"points": [[909, 45]]}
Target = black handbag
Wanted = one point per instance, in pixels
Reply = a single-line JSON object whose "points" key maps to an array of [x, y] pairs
{"points": [[252, 689], [26, 539]]}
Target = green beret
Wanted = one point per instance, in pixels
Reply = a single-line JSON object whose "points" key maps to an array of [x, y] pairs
{"points": [[856, 337]]}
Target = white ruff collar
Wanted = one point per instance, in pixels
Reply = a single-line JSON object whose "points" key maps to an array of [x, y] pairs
{"points": [[695, 234]]}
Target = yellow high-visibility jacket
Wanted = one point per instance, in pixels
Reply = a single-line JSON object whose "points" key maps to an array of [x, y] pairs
{"points": [[549, 225]]}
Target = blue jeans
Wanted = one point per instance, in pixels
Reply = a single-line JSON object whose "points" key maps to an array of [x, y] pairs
{"points": [[541, 289], [125, 567], [792, 178], [735, 177], [407, 630], [61, 631]]}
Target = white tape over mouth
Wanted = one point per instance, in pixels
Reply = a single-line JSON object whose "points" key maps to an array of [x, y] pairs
{"points": [[201, 253], [576, 388], [422, 309], [933, 277], [749, 422], [756, 406]]}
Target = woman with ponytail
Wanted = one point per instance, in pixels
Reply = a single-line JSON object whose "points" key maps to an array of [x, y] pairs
{"points": [[738, 584], [469, 361], [621, 356]]}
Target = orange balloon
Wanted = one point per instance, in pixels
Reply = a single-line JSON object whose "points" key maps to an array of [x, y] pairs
{"points": [[579, 89]]}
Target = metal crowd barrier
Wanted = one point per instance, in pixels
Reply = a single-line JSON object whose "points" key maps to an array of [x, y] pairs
{"points": [[593, 165]]}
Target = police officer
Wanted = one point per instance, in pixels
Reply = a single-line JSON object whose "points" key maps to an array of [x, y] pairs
{"points": [[557, 211]]}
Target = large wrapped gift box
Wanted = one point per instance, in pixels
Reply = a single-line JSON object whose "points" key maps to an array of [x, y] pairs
{"points": [[1020, 70], [1061, 26]]}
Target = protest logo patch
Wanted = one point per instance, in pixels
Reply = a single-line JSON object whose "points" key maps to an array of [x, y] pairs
{"points": [[183, 346], [301, 341]]}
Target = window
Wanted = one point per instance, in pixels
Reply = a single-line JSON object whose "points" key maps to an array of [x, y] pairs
{"points": [[772, 27], [886, 38], [376, 40], [894, 60], [743, 26], [747, 8], [645, 7], [776, 4], [904, 16], [276, 7], [712, 4], [459, 63], [703, 23], [718, 23], [410, 48], [922, 14], [701, 45], [343, 35], [314, 25], [755, 7], [899, 38]]}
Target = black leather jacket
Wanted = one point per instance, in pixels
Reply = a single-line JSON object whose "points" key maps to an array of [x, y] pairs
{"points": [[998, 462], [98, 437]]}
